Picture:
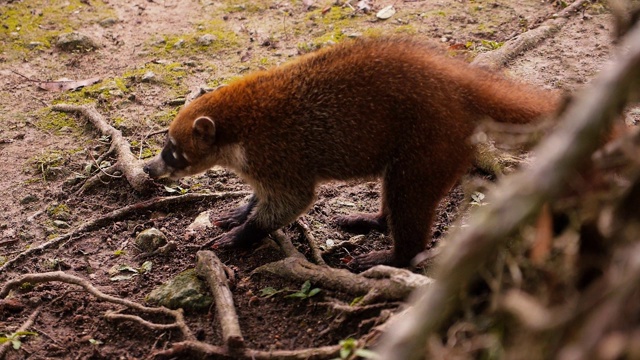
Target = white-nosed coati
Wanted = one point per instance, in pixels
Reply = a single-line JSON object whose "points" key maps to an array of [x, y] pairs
{"points": [[387, 107]]}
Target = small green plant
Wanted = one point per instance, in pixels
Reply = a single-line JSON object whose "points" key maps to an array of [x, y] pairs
{"points": [[305, 292], [349, 349], [15, 338]]}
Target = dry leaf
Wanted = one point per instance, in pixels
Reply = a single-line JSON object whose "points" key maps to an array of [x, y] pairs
{"points": [[386, 12], [66, 84]]}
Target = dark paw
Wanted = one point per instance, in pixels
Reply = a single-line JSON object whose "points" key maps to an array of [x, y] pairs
{"points": [[362, 223], [228, 221], [366, 261], [237, 216], [242, 236]]}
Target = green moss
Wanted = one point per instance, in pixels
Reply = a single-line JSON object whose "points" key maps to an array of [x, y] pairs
{"points": [[406, 29], [335, 15], [48, 163], [185, 44], [57, 209], [35, 25], [234, 6], [165, 117], [53, 121]]}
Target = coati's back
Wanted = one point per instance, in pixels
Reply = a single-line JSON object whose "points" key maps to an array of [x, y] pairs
{"points": [[342, 111]]}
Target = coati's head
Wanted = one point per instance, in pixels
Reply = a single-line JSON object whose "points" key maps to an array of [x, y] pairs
{"points": [[190, 148]]}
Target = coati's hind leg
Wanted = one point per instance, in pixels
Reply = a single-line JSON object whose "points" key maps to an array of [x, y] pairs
{"points": [[411, 193], [237, 216], [271, 212]]}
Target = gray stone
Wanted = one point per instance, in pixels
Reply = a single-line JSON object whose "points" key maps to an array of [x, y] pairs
{"points": [[61, 224], [184, 291], [108, 22], [206, 40], [150, 240], [75, 41]]}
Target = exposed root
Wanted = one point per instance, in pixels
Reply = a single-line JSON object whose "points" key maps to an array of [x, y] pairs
{"points": [[213, 270], [75, 280], [119, 214], [126, 162]]}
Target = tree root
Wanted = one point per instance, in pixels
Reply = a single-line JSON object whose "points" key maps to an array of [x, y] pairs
{"points": [[127, 163], [75, 280], [119, 214], [380, 282], [316, 254]]}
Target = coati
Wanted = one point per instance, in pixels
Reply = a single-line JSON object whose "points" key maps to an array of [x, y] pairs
{"points": [[380, 107]]}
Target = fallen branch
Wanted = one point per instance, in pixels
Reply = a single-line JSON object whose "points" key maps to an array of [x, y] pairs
{"points": [[212, 269], [120, 214], [126, 162], [497, 58], [574, 140], [60, 276]]}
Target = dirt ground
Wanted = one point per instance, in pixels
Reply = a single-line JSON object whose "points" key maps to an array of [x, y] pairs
{"points": [[152, 54]]}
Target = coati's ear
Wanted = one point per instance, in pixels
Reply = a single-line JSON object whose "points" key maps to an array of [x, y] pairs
{"points": [[205, 129]]}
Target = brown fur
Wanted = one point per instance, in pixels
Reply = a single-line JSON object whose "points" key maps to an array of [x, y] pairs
{"points": [[390, 108]]}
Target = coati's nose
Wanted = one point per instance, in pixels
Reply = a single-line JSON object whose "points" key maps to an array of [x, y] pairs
{"points": [[146, 169]]}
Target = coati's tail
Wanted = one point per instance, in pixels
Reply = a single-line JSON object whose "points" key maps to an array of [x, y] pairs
{"points": [[508, 101]]}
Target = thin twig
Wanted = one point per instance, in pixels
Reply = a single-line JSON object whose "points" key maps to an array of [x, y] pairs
{"points": [[316, 254]]}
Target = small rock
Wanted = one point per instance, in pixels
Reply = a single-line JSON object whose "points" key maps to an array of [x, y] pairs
{"points": [[76, 41], [108, 22], [34, 44], [28, 199], [185, 291], [149, 77], [61, 224], [206, 40], [150, 240], [201, 223], [178, 44]]}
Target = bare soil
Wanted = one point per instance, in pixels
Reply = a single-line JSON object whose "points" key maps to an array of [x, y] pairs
{"points": [[43, 155]]}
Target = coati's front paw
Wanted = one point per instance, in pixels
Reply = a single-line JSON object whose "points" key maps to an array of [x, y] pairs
{"points": [[242, 236], [366, 261], [362, 223]]}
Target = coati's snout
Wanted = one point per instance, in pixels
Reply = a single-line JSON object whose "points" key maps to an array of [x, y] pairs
{"points": [[179, 158]]}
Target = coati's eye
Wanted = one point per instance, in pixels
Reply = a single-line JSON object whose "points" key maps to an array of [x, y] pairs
{"points": [[172, 155]]}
